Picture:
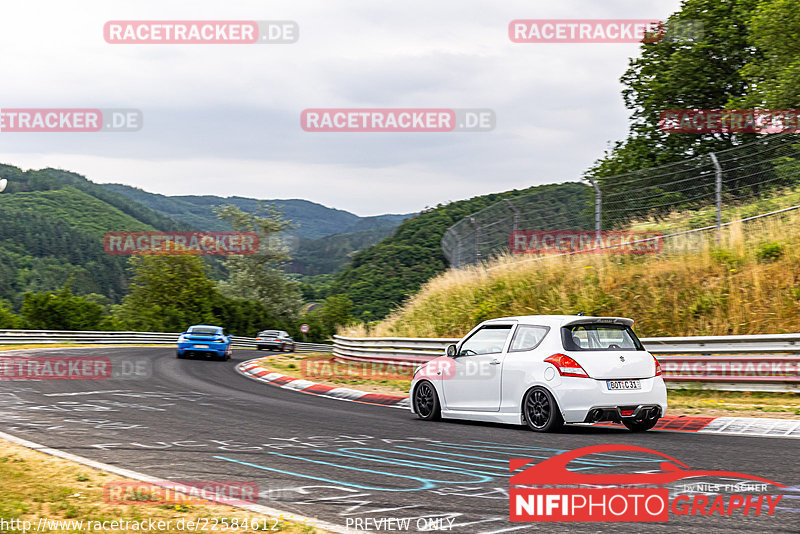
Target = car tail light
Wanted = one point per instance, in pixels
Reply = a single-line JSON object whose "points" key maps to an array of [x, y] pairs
{"points": [[276, 340], [566, 366], [658, 366]]}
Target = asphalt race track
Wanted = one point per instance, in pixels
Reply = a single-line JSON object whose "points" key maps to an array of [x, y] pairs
{"points": [[343, 461]]}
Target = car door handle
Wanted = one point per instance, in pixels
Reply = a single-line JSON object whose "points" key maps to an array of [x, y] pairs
{"points": [[495, 362]]}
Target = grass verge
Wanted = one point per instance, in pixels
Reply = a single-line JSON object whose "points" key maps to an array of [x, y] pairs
{"points": [[293, 365], [36, 485]]}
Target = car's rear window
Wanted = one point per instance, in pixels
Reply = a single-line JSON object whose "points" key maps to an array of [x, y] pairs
{"points": [[527, 337], [269, 333], [203, 330], [599, 337]]}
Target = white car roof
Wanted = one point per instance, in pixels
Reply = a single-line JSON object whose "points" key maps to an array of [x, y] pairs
{"points": [[561, 320]]}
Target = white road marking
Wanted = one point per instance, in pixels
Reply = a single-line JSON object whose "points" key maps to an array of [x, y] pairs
{"points": [[79, 393]]}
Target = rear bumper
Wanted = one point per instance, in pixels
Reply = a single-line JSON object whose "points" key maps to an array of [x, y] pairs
{"points": [[581, 399], [191, 348], [273, 345], [618, 413]]}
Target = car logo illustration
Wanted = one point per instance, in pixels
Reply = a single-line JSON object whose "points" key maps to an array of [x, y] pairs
{"points": [[622, 358], [554, 470]]}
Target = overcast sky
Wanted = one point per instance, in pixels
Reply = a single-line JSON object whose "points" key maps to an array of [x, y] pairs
{"points": [[225, 119]]}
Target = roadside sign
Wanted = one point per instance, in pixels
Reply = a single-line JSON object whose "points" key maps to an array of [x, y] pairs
{"points": [[304, 328]]}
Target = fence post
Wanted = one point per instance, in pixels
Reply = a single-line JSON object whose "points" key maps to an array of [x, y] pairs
{"points": [[598, 213], [718, 183], [514, 209], [477, 238]]}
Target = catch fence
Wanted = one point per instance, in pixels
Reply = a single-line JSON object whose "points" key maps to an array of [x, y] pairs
{"points": [[738, 184]]}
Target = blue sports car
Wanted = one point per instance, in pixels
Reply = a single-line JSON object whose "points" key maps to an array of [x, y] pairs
{"points": [[205, 340]]}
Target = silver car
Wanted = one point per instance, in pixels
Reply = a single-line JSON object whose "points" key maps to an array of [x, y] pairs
{"points": [[275, 340]]}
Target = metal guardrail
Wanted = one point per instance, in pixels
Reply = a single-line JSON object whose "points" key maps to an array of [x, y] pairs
{"points": [[731, 363], [9, 337]]}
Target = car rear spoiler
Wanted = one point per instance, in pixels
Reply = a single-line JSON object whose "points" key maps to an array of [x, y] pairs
{"points": [[598, 320]]}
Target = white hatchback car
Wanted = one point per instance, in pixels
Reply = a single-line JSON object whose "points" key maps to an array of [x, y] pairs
{"points": [[543, 371]]}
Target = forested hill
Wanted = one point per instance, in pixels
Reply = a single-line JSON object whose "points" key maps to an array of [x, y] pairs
{"points": [[51, 227], [380, 277], [54, 179], [52, 223], [313, 220]]}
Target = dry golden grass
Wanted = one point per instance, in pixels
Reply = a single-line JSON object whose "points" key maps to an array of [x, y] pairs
{"points": [[748, 284], [35, 485]]}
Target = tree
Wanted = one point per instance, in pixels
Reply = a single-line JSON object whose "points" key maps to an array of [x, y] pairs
{"points": [[336, 312], [61, 311], [258, 276], [773, 76], [168, 293], [7, 318], [701, 71], [324, 320], [246, 317]]}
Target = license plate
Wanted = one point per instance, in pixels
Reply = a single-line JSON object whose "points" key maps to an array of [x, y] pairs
{"points": [[201, 346], [623, 384]]}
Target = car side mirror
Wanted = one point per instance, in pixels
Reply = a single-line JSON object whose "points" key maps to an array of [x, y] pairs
{"points": [[452, 351]]}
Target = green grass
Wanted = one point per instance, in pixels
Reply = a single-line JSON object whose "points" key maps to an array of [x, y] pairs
{"points": [[285, 364], [707, 216]]}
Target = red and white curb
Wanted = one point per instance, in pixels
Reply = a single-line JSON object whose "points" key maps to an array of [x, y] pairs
{"points": [[251, 369], [739, 426]]}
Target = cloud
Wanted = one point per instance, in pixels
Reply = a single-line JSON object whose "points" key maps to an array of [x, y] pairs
{"points": [[225, 119]]}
